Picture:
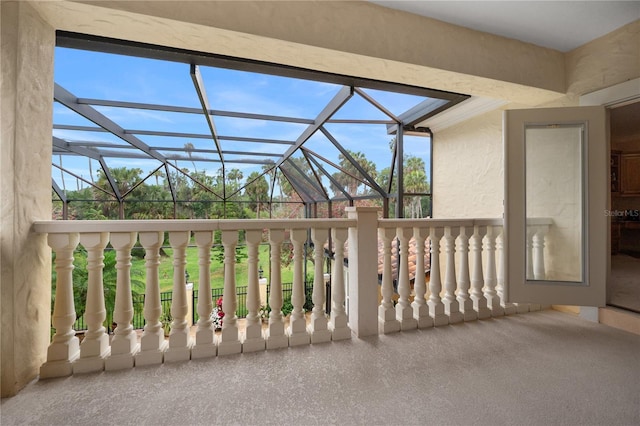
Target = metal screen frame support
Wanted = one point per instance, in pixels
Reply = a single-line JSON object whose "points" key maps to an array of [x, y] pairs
{"points": [[331, 178], [196, 77], [67, 99], [400, 168], [355, 164], [332, 107]]}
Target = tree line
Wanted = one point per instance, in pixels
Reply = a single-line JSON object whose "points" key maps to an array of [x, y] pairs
{"points": [[199, 195]]}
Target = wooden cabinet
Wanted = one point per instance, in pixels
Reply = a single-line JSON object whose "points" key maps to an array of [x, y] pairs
{"points": [[615, 172], [629, 174]]}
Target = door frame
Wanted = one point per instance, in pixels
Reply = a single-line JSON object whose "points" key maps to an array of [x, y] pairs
{"points": [[610, 97]]}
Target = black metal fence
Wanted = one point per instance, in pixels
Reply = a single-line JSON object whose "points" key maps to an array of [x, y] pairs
{"points": [[241, 310]]}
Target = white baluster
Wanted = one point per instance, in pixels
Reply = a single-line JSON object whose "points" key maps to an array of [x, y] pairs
{"points": [[274, 334], [95, 345], [531, 230], [64, 349], [404, 311], [493, 301], [252, 339], [338, 323], [436, 307], [297, 329], [419, 304], [477, 276], [464, 301], [152, 342], [124, 345], [537, 247], [318, 328], [539, 272], [229, 338], [387, 322], [522, 308], [179, 340], [204, 346], [451, 306], [509, 308]]}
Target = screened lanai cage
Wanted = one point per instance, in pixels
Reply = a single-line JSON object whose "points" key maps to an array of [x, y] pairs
{"points": [[148, 132]]}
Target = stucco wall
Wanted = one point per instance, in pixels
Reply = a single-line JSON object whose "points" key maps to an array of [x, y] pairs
{"points": [[345, 37], [468, 170], [606, 61], [25, 179]]}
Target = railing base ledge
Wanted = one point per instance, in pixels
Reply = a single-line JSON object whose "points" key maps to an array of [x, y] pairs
{"points": [[468, 316], [319, 336], [342, 333], [150, 357], [63, 368], [204, 351], [298, 339], [177, 354], [255, 344], [455, 317], [229, 348], [90, 364], [388, 326], [424, 322], [440, 320], [484, 313], [276, 342], [408, 324], [510, 309], [121, 361]]}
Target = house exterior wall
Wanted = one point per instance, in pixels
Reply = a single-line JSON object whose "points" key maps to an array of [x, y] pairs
{"points": [[468, 178], [352, 38], [25, 182]]}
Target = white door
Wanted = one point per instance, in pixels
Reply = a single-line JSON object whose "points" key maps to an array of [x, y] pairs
{"points": [[556, 183]]}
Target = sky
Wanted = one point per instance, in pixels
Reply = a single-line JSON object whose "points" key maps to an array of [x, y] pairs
{"points": [[130, 79]]}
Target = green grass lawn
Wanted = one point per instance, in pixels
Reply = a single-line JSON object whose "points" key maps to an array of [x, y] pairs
{"points": [[217, 269]]}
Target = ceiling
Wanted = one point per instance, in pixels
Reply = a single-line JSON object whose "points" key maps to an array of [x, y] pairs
{"points": [[559, 25]]}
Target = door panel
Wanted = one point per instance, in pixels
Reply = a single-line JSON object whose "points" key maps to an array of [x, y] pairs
{"points": [[555, 199]]}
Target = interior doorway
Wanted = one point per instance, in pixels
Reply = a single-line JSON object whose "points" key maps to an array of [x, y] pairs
{"points": [[623, 287]]}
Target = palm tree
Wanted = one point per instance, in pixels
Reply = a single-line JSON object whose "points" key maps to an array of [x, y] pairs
{"points": [[157, 174], [188, 147], [415, 181]]}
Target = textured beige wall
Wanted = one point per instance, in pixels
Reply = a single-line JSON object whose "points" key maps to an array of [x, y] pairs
{"points": [[606, 61], [352, 38], [25, 179], [468, 173], [370, 30]]}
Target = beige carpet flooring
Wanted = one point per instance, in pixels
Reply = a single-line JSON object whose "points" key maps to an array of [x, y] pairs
{"points": [[541, 368]]}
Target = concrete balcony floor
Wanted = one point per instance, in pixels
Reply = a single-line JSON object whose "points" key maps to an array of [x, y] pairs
{"points": [[540, 368]]}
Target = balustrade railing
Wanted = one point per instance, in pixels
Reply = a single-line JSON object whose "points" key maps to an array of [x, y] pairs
{"points": [[465, 271], [458, 276], [124, 349]]}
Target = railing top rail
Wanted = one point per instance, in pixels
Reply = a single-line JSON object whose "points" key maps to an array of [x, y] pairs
{"points": [[489, 222], [439, 223], [285, 223], [539, 221], [85, 226]]}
